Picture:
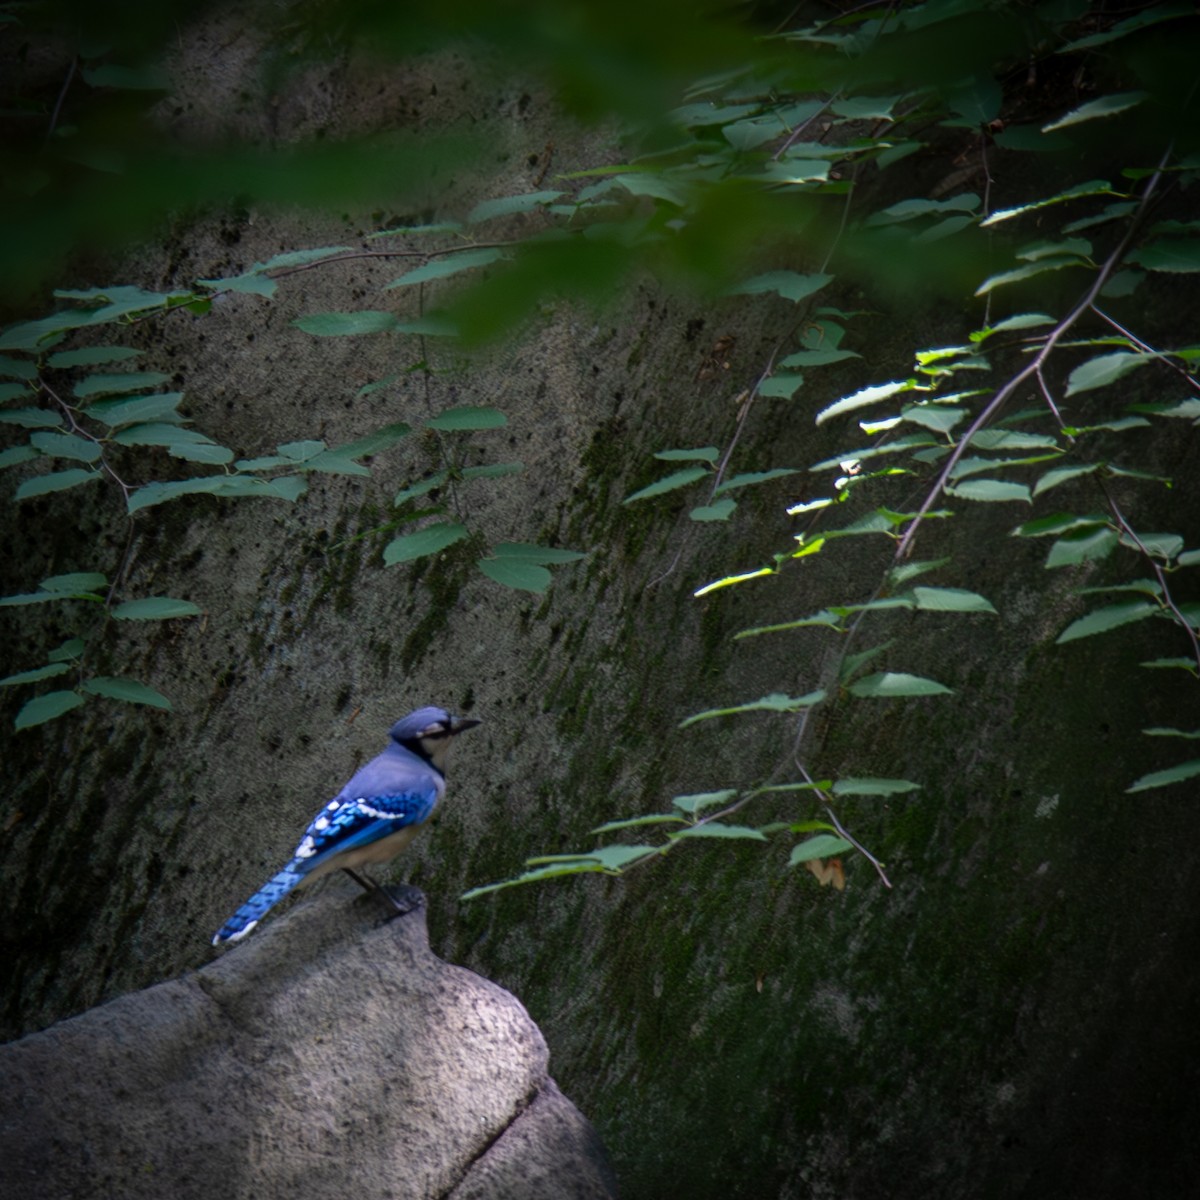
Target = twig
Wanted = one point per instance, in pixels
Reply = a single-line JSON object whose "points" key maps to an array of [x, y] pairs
{"points": [[1033, 368]]}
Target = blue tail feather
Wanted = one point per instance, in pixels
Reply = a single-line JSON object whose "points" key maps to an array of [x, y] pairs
{"points": [[267, 896]]}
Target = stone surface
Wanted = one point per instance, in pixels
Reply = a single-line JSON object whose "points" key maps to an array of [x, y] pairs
{"points": [[329, 1055]]}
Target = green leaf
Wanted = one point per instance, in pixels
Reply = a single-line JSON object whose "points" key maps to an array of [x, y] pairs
{"points": [[1164, 731], [824, 845], [70, 650], [1177, 774], [714, 829], [1187, 664], [1110, 617], [103, 385], [46, 708], [748, 478], [1011, 439], [128, 690], [160, 433], [1009, 324], [789, 284], [515, 573], [30, 418], [251, 283], [781, 386], [492, 470], [874, 787], [816, 358], [951, 600], [1174, 255], [824, 618], [633, 822], [287, 487], [990, 490], [1093, 187], [1057, 475], [889, 684], [775, 702], [852, 662], [36, 675], [17, 368], [137, 410], [937, 417], [863, 397], [720, 511], [421, 489], [468, 418], [1105, 106], [56, 481], [1148, 16], [1084, 545], [506, 206], [675, 480], [66, 445], [346, 324], [430, 540], [703, 454], [1104, 369], [529, 552], [14, 391], [1029, 271], [698, 801], [452, 264], [154, 608], [300, 258], [900, 575]]}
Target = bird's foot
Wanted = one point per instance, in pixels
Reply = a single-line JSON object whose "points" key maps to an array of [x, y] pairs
{"points": [[401, 900]]}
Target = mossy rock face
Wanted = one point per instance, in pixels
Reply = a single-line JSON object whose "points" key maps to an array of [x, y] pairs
{"points": [[1011, 1014]]}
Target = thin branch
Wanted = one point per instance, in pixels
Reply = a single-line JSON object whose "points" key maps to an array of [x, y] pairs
{"points": [[1002, 397]]}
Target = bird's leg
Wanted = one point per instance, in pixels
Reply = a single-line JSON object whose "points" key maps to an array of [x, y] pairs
{"points": [[368, 884]]}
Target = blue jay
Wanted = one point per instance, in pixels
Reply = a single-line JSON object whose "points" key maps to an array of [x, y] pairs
{"points": [[371, 819]]}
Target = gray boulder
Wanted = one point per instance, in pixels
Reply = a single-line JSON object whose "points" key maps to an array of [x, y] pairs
{"points": [[329, 1055]]}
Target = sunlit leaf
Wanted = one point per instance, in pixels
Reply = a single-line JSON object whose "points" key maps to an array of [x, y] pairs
{"points": [[1029, 271], [1176, 774], [887, 684], [1104, 369], [863, 397], [1104, 106], [1093, 187]]}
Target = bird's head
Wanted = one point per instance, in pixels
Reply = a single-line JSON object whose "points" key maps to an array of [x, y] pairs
{"points": [[429, 732]]}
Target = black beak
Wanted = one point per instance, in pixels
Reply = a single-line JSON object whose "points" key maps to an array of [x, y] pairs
{"points": [[462, 724]]}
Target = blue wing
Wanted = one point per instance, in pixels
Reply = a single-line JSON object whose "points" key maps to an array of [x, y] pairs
{"points": [[344, 824]]}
